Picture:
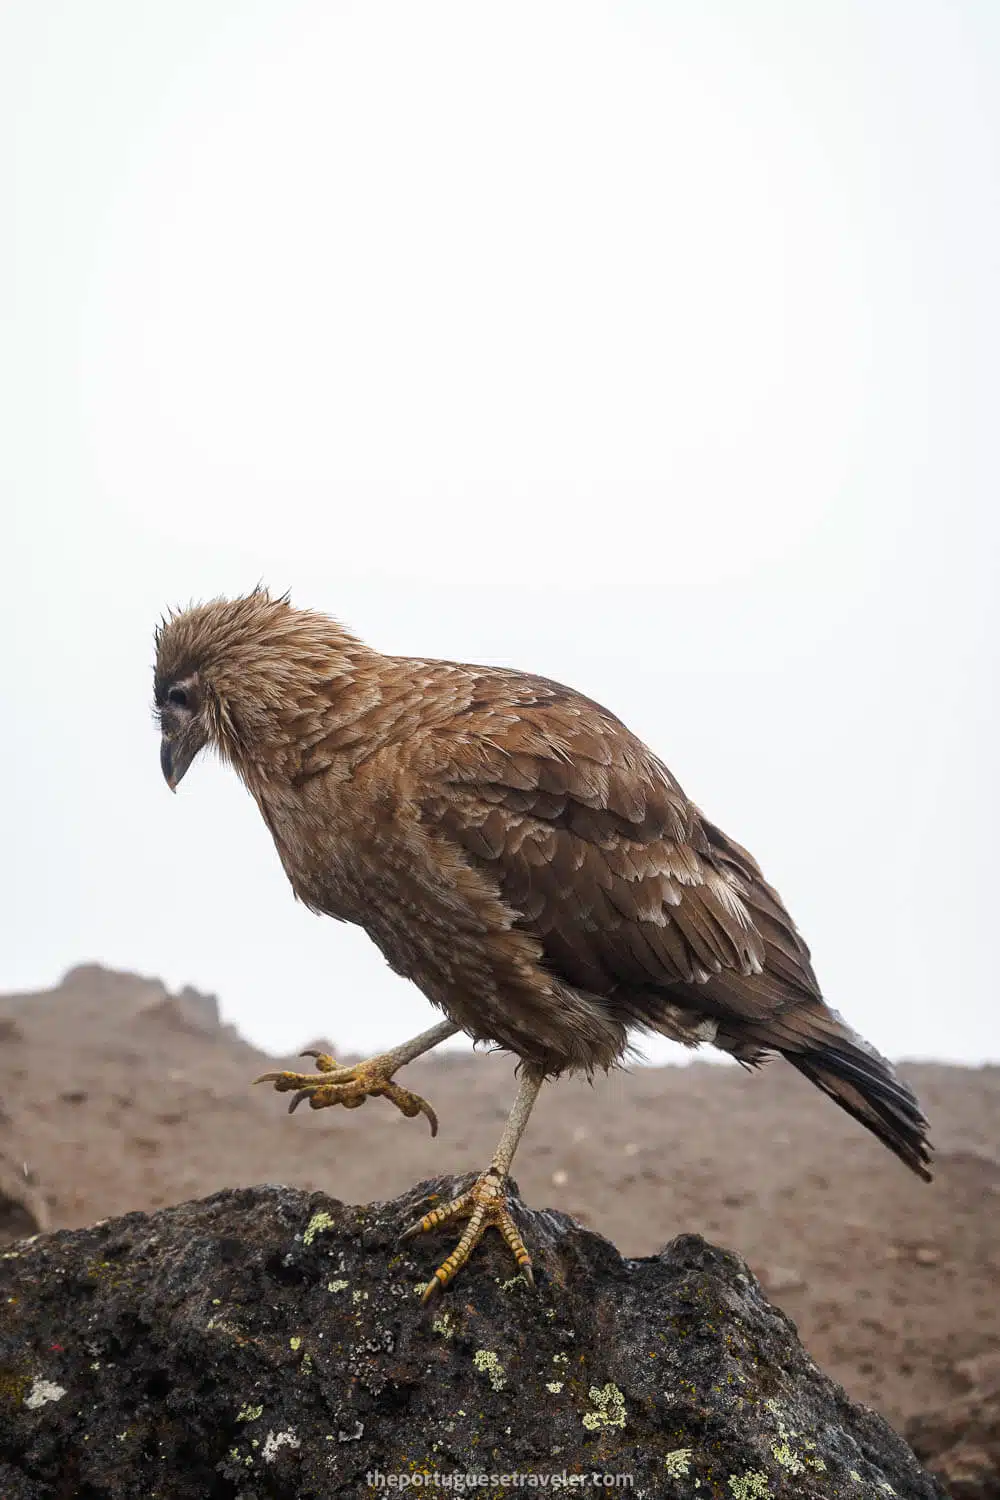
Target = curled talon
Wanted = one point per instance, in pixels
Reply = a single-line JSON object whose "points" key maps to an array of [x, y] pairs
{"points": [[324, 1062], [349, 1086]]}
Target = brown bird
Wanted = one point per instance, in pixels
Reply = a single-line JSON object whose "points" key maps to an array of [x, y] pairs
{"points": [[514, 850]]}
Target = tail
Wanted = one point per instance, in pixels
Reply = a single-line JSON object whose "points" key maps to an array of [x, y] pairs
{"points": [[825, 1050], [864, 1084]]}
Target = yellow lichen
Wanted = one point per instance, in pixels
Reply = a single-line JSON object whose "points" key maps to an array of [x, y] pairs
{"points": [[296, 1342], [337, 1286], [486, 1362], [788, 1458], [609, 1408], [443, 1325], [319, 1221], [751, 1485], [783, 1451], [555, 1386], [248, 1413], [678, 1463]]}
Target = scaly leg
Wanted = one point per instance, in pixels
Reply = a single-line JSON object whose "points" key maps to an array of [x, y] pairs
{"points": [[351, 1086], [486, 1202]]}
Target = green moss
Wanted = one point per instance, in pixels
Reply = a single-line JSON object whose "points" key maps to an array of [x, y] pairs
{"points": [[13, 1385]]}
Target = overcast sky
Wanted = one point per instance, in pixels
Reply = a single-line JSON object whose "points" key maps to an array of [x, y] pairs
{"points": [[652, 347]]}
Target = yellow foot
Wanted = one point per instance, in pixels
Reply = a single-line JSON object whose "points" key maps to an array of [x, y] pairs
{"points": [[349, 1086], [484, 1204]]}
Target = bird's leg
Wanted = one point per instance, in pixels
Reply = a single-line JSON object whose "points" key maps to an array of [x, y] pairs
{"points": [[351, 1086], [486, 1202]]}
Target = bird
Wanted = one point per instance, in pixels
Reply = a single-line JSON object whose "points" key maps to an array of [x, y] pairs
{"points": [[521, 856]]}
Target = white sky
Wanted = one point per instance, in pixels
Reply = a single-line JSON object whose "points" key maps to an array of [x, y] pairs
{"points": [[649, 346]]}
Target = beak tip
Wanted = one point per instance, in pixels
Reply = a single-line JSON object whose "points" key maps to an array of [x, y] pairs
{"points": [[167, 765]]}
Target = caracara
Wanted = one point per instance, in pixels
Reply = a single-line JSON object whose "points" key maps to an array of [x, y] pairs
{"points": [[514, 850]]}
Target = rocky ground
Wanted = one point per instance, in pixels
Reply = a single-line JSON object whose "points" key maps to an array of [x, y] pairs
{"points": [[268, 1344], [117, 1096]]}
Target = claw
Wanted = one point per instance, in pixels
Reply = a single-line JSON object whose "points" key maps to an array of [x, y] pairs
{"points": [[410, 1105], [324, 1062], [484, 1204], [282, 1081], [347, 1086]]}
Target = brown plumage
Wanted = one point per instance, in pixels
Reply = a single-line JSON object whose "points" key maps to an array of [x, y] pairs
{"points": [[512, 848]]}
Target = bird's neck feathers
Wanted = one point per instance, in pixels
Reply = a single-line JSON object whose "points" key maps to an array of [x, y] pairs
{"points": [[287, 706]]}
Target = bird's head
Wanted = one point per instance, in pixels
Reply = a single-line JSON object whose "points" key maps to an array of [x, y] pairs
{"points": [[183, 726], [194, 648], [233, 674]]}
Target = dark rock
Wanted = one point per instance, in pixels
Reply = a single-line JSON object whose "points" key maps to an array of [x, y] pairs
{"points": [[271, 1343]]}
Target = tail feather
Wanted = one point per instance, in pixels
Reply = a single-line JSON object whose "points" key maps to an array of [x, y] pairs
{"points": [[864, 1085], [820, 1044]]}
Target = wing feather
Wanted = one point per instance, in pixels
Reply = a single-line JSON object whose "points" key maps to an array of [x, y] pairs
{"points": [[602, 857]]}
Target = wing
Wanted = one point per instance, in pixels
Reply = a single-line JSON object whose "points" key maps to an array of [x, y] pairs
{"points": [[637, 898], [594, 845]]}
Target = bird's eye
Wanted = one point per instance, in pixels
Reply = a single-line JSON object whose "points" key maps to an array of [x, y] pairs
{"points": [[178, 697]]}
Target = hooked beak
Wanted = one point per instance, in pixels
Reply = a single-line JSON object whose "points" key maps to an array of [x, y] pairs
{"points": [[175, 757]]}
